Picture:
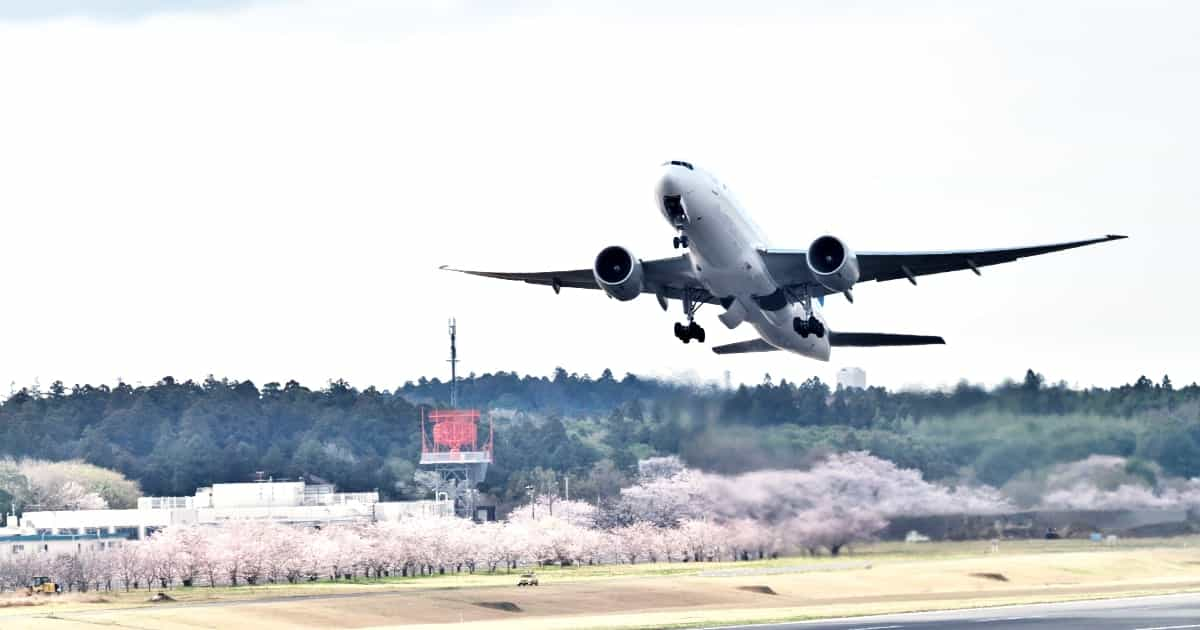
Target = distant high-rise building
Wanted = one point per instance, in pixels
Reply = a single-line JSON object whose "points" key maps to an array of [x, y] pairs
{"points": [[848, 377]]}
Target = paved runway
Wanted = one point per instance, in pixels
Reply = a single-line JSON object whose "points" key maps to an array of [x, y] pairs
{"points": [[1164, 612]]}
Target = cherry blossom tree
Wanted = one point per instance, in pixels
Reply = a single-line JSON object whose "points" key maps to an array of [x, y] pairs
{"points": [[639, 541], [129, 560], [834, 526]]}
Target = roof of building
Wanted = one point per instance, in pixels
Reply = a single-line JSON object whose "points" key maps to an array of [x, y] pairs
{"points": [[37, 538]]}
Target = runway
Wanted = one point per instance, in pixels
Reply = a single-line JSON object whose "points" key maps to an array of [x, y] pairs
{"points": [[1163, 612]]}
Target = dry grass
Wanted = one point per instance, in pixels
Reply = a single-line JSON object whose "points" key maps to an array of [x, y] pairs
{"points": [[899, 578], [18, 600]]}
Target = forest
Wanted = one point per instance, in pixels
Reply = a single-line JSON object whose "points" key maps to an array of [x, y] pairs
{"points": [[173, 436]]}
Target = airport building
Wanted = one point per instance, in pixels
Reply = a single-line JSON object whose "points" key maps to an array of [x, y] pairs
{"points": [[16, 542], [291, 502]]}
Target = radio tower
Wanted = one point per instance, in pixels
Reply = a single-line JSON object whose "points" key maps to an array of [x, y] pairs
{"points": [[453, 365], [456, 446]]}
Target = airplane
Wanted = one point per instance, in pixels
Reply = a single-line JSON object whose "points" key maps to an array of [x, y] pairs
{"points": [[776, 291]]}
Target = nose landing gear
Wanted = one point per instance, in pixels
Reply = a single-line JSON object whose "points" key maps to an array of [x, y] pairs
{"points": [[680, 241]]}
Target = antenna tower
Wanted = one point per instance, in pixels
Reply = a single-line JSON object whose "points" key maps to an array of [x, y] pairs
{"points": [[455, 445], [453, 364]]}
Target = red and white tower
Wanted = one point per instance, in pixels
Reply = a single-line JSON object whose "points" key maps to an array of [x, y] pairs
{"points": [[454, 445]]}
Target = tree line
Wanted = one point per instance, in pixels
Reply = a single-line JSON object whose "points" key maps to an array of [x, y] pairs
{"points": [[174, 436], [669, 514]]}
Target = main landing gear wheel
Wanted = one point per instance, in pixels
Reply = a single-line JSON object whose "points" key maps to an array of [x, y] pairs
{"points": [[689, 332], [693, 299], [806, 327], [680, 241]]}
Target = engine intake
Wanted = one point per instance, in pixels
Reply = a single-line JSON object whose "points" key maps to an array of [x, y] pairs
{"points": [[832, 263], [619, 273]]}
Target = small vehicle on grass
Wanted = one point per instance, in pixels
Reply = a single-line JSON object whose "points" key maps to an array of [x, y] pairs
{"points": [[528, 579], [42, 585]]}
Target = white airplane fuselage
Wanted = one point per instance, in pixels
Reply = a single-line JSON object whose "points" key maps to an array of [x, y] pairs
{"points": [[725, 248]]}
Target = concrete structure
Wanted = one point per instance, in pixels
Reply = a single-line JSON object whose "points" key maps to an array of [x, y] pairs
{"points": [[852, 377], [291, 502]]}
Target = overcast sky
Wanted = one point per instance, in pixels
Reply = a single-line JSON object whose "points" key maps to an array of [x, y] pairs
{"points": [[264, 190]]}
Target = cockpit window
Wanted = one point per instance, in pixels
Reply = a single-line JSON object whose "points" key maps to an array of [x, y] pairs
{"points": [[687, 165]]}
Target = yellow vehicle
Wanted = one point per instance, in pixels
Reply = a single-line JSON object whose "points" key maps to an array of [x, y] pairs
{"points": [[42, 585]]}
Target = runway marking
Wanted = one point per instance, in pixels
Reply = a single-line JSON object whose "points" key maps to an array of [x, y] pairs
{"points": [[878, 627], [1195, 625]]}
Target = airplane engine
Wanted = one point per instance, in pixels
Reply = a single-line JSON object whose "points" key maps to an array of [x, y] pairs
{"points": [[619, 273], [832, 263]]}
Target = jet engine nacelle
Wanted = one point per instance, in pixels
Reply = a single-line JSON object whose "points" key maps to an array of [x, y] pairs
{"points": [[832, 263], [619, 273]]}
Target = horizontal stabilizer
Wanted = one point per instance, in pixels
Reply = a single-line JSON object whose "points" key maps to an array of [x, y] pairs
{"points": [[871, 340], [742, 347]]}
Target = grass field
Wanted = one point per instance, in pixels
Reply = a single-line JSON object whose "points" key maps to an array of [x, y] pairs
{"points": [[886, 577]]}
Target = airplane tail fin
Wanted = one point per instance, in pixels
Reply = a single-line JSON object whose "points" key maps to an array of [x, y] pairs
{"points": [[872, 340], [741, 347]]}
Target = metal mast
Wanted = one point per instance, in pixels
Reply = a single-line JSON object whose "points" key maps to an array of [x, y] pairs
{"points": [[453, 365]]}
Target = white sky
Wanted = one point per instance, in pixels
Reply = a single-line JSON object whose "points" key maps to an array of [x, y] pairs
{"points": [[265, 190]]}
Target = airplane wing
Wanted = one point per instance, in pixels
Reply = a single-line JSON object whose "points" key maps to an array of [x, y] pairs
{"points": [[669, 277], [838, 340], [876, 340], [790, 267], [742, 347]]}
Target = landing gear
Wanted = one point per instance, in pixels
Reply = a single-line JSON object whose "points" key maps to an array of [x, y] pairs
{"points": [[810, 326], [692, 301], [807, 324], [689, 332], [680, 241]]}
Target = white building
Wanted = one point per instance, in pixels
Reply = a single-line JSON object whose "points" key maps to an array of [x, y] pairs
{"points": [[16, 542], [292, 502], [852, 377]]}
